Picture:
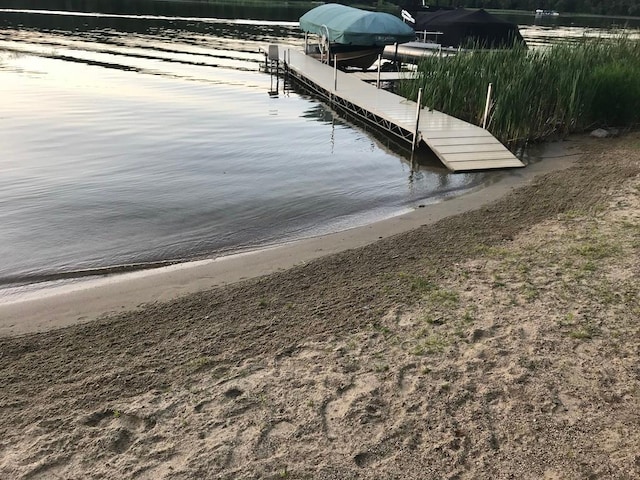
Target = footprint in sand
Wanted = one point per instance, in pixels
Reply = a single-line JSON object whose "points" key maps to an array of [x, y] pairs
{"points": [[121, 429], [354, 404], [125, 420]]}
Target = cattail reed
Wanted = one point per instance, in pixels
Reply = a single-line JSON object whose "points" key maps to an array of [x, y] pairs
{"points": [[538, 94]]}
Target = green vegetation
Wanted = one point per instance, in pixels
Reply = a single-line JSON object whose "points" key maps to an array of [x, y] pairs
{"points": [[594, 7], [201, 363], [430, 345], [537, 93], [585, 332]]}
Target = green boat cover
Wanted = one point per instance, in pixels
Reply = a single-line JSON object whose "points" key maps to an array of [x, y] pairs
{"points": [[352, 26]]}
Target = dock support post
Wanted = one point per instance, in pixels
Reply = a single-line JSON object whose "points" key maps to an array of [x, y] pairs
{"points": [[379, 66], [273, 57], [286, 68], [486, 107], [415, 132]]}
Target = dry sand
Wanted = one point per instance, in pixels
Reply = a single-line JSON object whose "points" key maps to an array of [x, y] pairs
{"points": [[498, 343]]}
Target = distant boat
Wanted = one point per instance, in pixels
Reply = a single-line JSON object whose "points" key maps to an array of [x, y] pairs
{"points": [[545, 13], [353, 36]]}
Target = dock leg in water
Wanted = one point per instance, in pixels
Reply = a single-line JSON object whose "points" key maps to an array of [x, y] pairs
{"points": [[415, 131]]}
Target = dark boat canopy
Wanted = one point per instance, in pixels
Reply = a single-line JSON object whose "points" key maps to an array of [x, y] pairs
{"points": [[462, 28], [352, 26]]}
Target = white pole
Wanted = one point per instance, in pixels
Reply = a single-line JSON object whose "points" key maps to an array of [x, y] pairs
{"points": [[335, 73], [415, 133], [379, 65], [486, 106]]}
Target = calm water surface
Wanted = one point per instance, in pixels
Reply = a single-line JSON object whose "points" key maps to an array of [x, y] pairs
{"points": [[136, 139]]}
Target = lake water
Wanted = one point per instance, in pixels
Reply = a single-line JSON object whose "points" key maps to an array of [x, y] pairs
{"points": [[130, 140]]}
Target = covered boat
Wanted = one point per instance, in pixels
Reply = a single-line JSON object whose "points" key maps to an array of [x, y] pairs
{"points": [[355, 37], [463, 28]]}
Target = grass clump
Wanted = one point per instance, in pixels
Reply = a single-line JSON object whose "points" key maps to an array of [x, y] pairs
{"points": [[537, 93], [443, 298], [201, 363], [429, 345], [420, 284], [586, 332], [597, 250]]}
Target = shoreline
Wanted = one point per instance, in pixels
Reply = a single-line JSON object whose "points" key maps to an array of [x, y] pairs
{"points": [[87, 300]]}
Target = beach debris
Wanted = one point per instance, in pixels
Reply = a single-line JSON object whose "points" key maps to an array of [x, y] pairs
{"points": [[605, 132]]}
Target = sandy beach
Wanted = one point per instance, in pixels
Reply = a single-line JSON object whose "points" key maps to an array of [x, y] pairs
{"points": [[491, 336]]}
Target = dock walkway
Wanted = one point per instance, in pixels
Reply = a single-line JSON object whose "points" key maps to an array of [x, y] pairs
{"points": [[459, 145]]}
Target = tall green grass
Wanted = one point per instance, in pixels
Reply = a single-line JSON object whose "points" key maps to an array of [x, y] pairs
{"points": [[537, 94]]}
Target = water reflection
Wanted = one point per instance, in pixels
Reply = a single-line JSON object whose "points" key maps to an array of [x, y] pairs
{"points": [[422, 160], [179, 8], [250, 23], [47, 21], [544, 31], [568, 20], [130, 143]]}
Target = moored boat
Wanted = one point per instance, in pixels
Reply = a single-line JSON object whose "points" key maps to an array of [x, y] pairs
{"points": [[447, 31], [354, 37], [463, 28]]}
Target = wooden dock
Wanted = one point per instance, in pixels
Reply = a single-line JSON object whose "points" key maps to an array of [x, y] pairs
{"points": [[372, 77], [459, 145]]}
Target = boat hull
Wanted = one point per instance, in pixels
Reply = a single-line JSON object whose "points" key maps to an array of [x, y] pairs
{"points": [[355, 57], [349, 56]]}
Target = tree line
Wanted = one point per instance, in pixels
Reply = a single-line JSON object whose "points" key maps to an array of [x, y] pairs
{"points": [[596, 7]]}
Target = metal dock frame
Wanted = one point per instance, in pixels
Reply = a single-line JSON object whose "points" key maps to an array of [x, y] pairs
{"points": [[459, 145]]}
